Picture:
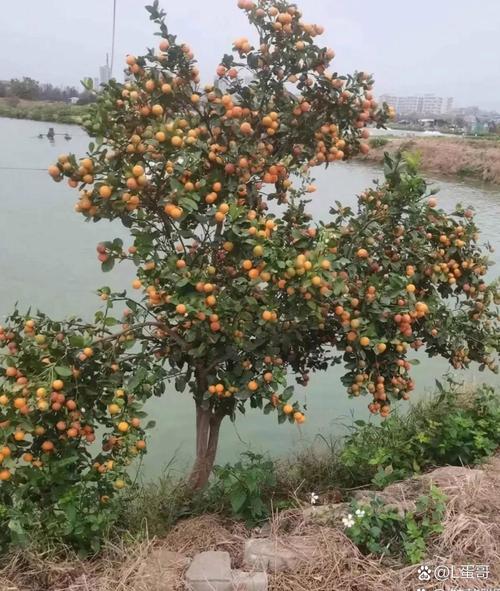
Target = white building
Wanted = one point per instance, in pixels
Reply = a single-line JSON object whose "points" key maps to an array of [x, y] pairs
{"points": [[425, 104], [105, 72]]}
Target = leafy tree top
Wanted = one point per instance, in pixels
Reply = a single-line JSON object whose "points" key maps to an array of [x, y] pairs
{"points": [[238, 283]]}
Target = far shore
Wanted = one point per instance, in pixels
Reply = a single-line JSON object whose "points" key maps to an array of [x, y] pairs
{"points": [[473, 158], [54, 112], [454, 157]]}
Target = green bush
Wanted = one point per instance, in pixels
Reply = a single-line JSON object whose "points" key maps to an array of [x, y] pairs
{"points": [[383, 531], [378, 142], [452, 428], [244, 489]]}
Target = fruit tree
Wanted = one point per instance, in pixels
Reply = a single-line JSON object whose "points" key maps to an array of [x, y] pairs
{"points": [[238, 287]]}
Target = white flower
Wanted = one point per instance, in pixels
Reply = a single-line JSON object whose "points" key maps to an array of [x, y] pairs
{"points": [[348, 521], [360, 513], [314, 498]]}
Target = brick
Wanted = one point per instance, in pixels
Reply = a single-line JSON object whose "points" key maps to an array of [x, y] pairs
{"points": [[210, 571]]}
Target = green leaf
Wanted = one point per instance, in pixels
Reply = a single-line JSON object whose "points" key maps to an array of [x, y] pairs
{"points": [[238, 499], [64, 372], [108, 264]]}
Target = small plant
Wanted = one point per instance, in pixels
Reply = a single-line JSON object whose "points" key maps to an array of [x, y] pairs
{"points": [[244, 487], [377, 529], [378, 142]]}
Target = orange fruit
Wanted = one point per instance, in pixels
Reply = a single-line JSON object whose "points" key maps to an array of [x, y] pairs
{"points": [[288, 409], [57, 384], [105, 191], [47, 446], [181, 309], [123, 426], [253, 386], [299, 417]]}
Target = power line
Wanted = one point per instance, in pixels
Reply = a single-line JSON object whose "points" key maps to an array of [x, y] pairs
{"points": [[21, 168]]}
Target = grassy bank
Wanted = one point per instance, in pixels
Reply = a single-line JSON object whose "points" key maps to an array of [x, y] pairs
{"points": [[56, 112], [474, 158]]}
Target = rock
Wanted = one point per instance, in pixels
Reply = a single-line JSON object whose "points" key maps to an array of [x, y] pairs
{"points": [[256, 581], [326, 514], [161, 570], [210, 571], [278, 554]]}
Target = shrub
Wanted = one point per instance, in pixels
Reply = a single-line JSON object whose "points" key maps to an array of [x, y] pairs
{"points": [[383, 531], [378, 142], [244, 489], [62, 387], [452, 428]]}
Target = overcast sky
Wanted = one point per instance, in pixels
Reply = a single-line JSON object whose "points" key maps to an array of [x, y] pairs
{"points": [[446, 47]]}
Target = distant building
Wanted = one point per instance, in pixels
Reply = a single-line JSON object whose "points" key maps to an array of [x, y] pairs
{"points": [[74, 99], [425, 104], [105, 72]]}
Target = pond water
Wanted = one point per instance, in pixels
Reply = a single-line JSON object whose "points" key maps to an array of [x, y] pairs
{"points": [[48, 261]]}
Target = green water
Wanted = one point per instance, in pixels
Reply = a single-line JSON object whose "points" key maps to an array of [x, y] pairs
{"points": [[48, 260]]}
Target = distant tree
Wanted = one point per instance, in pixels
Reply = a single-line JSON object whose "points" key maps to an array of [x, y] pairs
{"points": [[3, 89], [27, 88], [87, 97]]}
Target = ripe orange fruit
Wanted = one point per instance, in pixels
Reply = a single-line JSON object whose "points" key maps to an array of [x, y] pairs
{"points": [[267, 315], [19, 403], [114, 409], [288, 409], [181, 309], [362, 253], [54, 171], [136, 284], [381, 347], [299, 417], [57, 384], [105, 191], [19, 435], [123, 426], [47, 446], [157, 110], [10, 372], [245, 128], [141, 444], [364, 341], [253, 386], [88, 352], [5, 475], [410, 288]]}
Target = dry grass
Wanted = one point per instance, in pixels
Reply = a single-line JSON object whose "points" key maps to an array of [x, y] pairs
{"points": [[471, 536], [478, 159]]}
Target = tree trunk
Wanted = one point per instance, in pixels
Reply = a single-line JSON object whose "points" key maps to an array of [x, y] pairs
{"points": [[208, 425]]}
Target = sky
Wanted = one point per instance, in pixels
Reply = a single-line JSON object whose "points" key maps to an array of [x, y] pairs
{"points": [[445, 47]]}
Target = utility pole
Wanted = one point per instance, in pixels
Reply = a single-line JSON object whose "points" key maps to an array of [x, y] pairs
{"points": [[113, 41]]}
